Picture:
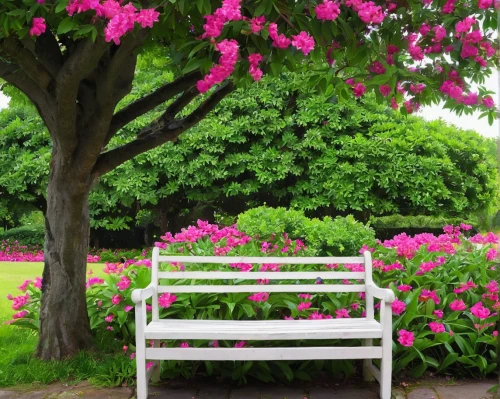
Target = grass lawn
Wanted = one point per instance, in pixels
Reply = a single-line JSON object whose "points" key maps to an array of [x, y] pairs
{"points": [[18, 366]]}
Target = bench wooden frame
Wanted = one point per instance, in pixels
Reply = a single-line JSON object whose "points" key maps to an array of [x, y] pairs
{"points": [[365, 329]]}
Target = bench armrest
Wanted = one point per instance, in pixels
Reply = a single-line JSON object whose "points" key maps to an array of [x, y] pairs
{"points": [[385, 294], [140, 295]]}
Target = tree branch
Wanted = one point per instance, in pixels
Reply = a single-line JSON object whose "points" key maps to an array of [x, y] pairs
{"points": [[48, 52], [160, 132], [151, 101], [14, 75], [28, 62], [82, 61]]}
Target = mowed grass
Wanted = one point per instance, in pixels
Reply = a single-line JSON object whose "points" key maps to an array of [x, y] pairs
{"points": [[19, 367]]}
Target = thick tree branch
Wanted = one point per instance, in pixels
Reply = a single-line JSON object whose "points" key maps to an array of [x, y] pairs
{"points": [[151, 101], [48, 52], [14, 75], [82, 61], [27, 61], [160, 132]]}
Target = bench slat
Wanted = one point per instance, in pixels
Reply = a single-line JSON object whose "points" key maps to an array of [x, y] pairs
{"points": [[263, 330], [303, 353], [309, 260], [216, 275], [262, 288]]}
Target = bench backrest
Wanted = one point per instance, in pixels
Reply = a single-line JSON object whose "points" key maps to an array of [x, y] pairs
{"points": [[158, 275]]}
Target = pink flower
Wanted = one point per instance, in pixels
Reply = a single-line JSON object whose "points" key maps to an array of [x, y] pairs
{"points": [[492, 286], [491, 254], [425, 295], [20, 315], [147, 17], [38, 283], [480, 311], [132, 356], [385, 90], [465, 227], [257, 23], [240, 344], [484, 4], [398, 307], [279, 40], [124, 283], [495, 333], [259, 297], [229, 50], [305, 296], [438, 313], [37, 27], [109, 318], [303, 306], [406, 338], [128, 308], [436, 327], [303, 41], [359, 89], [377, 67], [184, 345], [342, 314], [125, 349], [166, 300], [355, 306], [116, 299], [328, 11], [149, 365]]}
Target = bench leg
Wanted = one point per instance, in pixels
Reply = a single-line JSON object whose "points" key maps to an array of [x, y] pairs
{"points": [[386, 361], [367, 375], [155, 377], [142, 380]]}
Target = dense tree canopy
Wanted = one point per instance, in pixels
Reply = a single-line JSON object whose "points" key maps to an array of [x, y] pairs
{"points": [[278, 143]]}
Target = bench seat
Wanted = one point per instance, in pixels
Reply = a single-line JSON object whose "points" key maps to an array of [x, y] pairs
{"points": [[257, 330]]}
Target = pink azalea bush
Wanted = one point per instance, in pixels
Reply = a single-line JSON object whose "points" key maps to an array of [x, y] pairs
{"points": [[443, 318]]}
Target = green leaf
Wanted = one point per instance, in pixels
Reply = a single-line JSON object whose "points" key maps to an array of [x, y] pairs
{"points": [[65, 26], [61, 6]]}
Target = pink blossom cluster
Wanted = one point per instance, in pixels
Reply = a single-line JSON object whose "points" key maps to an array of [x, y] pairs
{"points": [[229, 50], [231, 235], [229, 11], [406, 338], [327, 11], [121, 18], [259, 297], [166, 300], [279, 40], [254, 69]]}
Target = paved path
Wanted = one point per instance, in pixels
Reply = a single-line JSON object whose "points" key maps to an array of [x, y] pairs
{"points": [[431, 389]]}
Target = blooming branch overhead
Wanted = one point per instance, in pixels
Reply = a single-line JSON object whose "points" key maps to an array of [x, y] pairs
{"points": [[408, 52]]}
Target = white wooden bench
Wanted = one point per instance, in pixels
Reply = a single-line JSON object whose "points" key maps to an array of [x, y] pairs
{"points": [[365, 329]]}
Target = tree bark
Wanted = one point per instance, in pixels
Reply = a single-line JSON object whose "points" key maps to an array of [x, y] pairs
{"points": [[64, 321]]}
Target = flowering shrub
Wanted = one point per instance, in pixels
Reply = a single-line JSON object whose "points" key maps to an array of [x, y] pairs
{"points": [[12, 251], [444, 315]]}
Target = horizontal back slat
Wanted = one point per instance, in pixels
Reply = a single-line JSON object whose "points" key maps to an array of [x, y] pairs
{"points": [[303, 288], [261, 275], [260, 260]]}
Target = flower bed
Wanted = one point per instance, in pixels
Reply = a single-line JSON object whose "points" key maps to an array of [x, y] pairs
{"points": [[13, 251], [444, 315]]}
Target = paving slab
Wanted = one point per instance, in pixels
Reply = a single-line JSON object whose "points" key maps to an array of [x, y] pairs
{"points": [[214, 392], [172, 393], [470, 391], [282, 393], [250, 392], [398, 393], [343, 393], [423, 393], [7, 394]]}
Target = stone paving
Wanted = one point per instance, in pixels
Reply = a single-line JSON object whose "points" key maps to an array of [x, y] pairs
{"points": [[428, 389]]}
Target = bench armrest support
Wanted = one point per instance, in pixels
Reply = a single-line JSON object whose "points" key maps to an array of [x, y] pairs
{"points": [[140, 295], [380, 293]]}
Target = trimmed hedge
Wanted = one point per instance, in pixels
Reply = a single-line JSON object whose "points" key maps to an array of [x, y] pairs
{"points": [[25, 235]]}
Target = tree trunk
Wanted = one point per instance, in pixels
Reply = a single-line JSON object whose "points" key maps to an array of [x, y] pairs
{"points": [[64, 321]]}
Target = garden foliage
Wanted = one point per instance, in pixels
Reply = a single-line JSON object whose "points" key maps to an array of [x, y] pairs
{"points": [[444, 315]]}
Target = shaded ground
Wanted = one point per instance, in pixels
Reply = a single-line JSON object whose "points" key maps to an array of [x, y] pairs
{"points": [[428, 389]]}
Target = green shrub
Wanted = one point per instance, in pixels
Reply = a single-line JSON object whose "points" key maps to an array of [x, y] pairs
{"points": [[25, 235], [339, 236]]}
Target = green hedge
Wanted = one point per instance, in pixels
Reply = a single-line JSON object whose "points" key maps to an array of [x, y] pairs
{"points": [[339, 236], [25, 235]]}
